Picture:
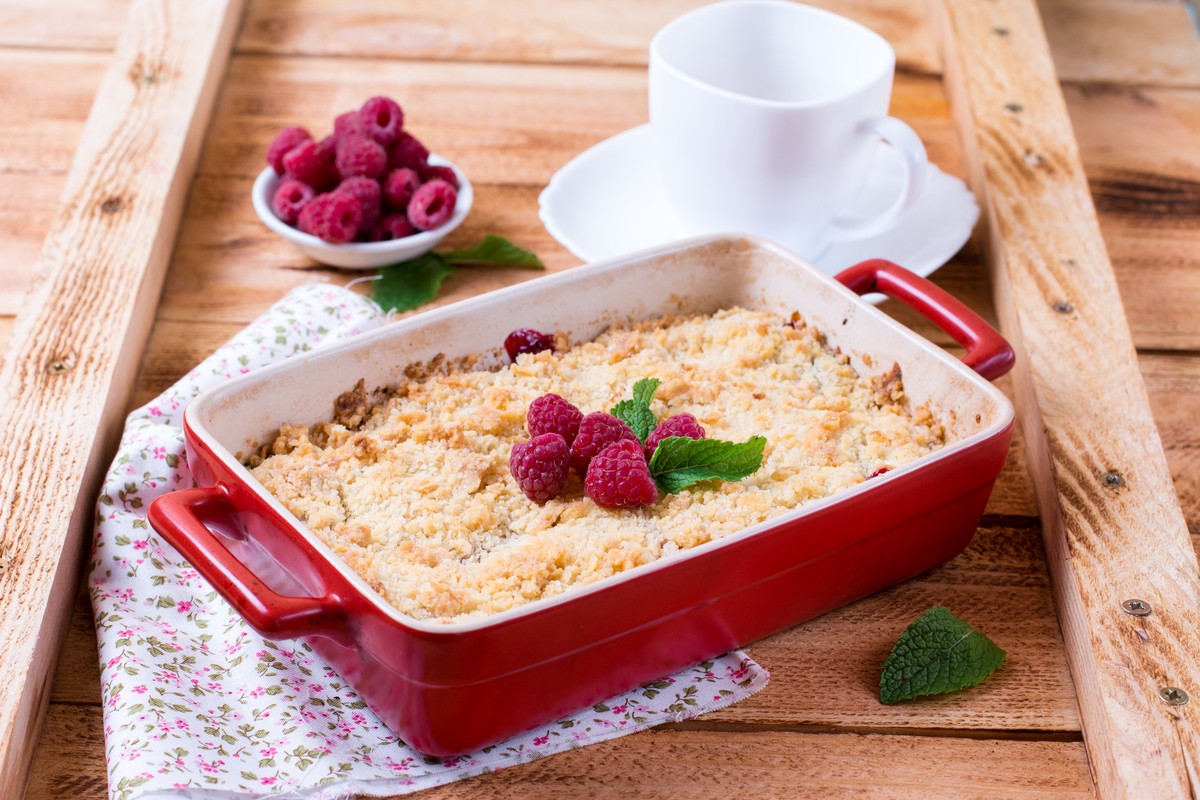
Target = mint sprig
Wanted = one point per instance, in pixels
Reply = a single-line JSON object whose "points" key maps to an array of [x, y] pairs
{"points": [[494, 251], [413, 283], [937, 653], [679, 462], [636, 412]]}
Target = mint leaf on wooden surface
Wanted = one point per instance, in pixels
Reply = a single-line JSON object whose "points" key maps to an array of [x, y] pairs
{"points": [[679, 462], [937, 653], [410, 284], [494, 251]]}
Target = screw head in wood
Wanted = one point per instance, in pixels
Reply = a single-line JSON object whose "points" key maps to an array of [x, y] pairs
{"points": [[1137, 608], [1112, 479], [1014, 107], [112, 205], [1173, 695], [1063, 307], [60, 364], [1001, 31]]}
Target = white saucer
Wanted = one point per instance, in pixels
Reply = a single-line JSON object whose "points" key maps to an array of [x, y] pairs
{"points": [[608, 201]]}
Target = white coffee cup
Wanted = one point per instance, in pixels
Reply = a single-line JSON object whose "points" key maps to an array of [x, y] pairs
{"points": [[767, 116]]}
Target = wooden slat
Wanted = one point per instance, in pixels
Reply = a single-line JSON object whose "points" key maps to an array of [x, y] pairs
{"points": [[1093, 40], [45, 117], [75, 347], [671, 763], [1110, 41], [563, 31], [825, 674], [1148, 196], [1113, 527], [75, 24]]}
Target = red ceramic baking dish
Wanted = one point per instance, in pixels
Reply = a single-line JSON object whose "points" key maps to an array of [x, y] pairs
{"points": [[451, 688]]}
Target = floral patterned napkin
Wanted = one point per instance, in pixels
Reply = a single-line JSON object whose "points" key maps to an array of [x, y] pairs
{"points": [[197, 705]]}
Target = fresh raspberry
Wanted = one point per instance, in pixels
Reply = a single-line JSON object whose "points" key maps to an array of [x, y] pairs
{"points": [[283, 143], [597, 431], [432, 205], [399, 186], [619, 478], [358, 155], [552, 414], [392, 226], [290, 196], [313, 163], [381, 119], [677, 425], [527, 340], [368, 194], [348, 124], [432, 173], [408, 152], [540, 466], [334, 216]]}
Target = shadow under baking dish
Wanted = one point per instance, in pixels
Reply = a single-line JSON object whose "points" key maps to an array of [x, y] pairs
{"points": [[451, 688]]}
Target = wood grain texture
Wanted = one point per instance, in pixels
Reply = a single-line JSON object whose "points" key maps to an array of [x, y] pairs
{"points": [[549, 31], [669, 763], [1113, 526], [1093, 40], [75, 24], [74, 350], [1101, 41], [1147, 195], [825, 673]]}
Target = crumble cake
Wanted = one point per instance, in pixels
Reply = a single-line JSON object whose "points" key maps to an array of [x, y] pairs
{"points": [[414, 491]]}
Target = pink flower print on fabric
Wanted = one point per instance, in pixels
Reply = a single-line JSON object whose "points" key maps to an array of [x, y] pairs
{"points": [[197, 705]]}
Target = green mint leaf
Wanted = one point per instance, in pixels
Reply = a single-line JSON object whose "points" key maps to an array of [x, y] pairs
{"points": [[937, 653], [643, 390], [637, 415], [495, 251], [679, 462], [409, 284]]}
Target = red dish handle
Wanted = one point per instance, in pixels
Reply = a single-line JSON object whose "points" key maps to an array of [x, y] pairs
{"points": [[987, 351], [179, 516]]}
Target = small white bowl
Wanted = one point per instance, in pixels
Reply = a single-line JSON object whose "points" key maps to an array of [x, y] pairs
{"points": [[361, 255]]}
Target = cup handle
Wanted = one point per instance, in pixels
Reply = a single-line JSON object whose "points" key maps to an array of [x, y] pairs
{"points": [[916, 174]]}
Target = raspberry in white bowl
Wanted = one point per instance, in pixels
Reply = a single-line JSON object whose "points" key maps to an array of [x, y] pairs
{"points": [[368, 195]]}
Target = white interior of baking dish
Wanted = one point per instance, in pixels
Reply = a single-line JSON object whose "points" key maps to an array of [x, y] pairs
{"points": [[694, 276]]}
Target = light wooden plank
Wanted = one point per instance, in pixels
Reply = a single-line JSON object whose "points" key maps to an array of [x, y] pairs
{"points": [[69, 24], [46, 96], [562, 31], [1119, 41], [1113, 526], [1095, 41], [27, 203], [670, 763], [75, 346], [1138, 147], [1173, 381]]}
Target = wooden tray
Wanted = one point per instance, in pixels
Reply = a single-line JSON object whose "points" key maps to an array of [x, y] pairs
{"points": [[1113, 528]]}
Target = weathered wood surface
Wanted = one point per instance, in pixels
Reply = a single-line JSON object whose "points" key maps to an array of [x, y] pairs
{"points": [[227, 268], [1113, 527], [1144, 42], [671, 762], [75, 346]]}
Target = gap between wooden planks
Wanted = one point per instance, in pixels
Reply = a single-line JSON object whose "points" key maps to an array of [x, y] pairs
{"points": [[1112, 524], [75, 347]]}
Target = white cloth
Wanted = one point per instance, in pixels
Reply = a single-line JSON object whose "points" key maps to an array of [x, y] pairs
{"points": [[197, 705]]}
